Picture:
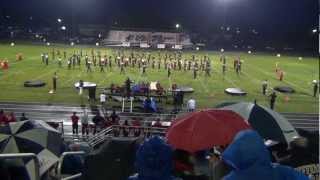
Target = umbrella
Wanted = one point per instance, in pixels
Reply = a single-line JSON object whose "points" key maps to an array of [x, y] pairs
{"points": [[204, 129], [269, 124], [31, 137]]}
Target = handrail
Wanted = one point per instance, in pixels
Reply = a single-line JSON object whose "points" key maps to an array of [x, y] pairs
{"points": [[72, 176], [62, 158], [25, 155]]}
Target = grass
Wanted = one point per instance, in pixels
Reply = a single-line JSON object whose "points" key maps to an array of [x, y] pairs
{"points": [[209, 91]]}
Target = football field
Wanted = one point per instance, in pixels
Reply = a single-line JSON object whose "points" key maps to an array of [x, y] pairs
{"points": [[209, 91]]}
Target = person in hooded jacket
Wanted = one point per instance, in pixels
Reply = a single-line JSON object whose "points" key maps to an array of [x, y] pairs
{"points": [[250, 160], [154, 161]]}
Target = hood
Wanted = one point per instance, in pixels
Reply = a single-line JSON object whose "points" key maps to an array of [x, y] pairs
{"points": [[246, 150], [154, 160]]}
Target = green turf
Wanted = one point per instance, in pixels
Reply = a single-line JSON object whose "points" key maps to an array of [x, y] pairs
{"points": [[208, 91]]}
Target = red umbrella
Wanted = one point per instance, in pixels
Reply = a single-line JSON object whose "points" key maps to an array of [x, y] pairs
{"points": [[204, 129]]}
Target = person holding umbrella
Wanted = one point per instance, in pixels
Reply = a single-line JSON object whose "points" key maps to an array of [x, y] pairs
{"points": [[250, 160]]}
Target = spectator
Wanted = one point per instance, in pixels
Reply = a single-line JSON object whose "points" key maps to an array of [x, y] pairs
{"points": [[11, 118], [191, 105], [23, 117], [126, 128], [3, 118], [103, 98], [98, 121], [157, 124], [114, 117], [154, 161], [137, 127], [85, 123], [250, 159], [74, 119]]}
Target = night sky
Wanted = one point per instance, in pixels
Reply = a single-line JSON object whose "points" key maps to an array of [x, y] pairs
{"points": [[271, 15]]}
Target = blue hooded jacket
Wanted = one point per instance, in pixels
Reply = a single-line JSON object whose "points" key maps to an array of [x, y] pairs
{"points": [[251, 160], [154, 160]]}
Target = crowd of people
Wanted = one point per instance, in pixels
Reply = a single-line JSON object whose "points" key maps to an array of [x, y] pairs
{"points": [[246, 158], [135, 127], [6, 118], [169, 61]]}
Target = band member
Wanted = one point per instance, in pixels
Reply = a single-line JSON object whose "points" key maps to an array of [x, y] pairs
{"points": [[60, 62], [169, 69], [159, 64], [144, 67], [273, 97], [264, 87], [315, 87], [69, 63], [46, 57], [208, 68], [64, 54], [122, 68], [224, 69], [89, 66], [195, 69], [102, 64], [42, 57], [54, 81]]}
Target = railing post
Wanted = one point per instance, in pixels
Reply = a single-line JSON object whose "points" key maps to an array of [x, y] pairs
{"points": [[62, 158], [122, 104], [24, 155], [131, 104]]}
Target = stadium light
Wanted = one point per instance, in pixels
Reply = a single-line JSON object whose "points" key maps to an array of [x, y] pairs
{"points": [[63, 28], [48, 44], [72, 44], [314, 30], [177, 26], [249, 52], [59, 20], [12, 44], [278, 55], [197, 48], [222, 50], [300, 58], [37, 35], [97, 44], [99, 35]]}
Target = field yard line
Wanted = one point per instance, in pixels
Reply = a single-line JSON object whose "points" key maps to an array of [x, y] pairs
{"points": [[204, 86]]}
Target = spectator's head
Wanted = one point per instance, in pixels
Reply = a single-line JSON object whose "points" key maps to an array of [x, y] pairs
{"points": [[154, 159], [1, 111], [22, 114], [74, 113]]}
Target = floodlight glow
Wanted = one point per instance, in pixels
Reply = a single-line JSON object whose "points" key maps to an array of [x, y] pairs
{"points": [[37, 35], [222, 50], [197, 48], [249, 52], [97, 44], [63, 28], [228, 28], [99, 35], [314, 30], [278, 55], [177, 26], [59, 20], [72, 43], [300, 58], [48, 44], [12, 44]]}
